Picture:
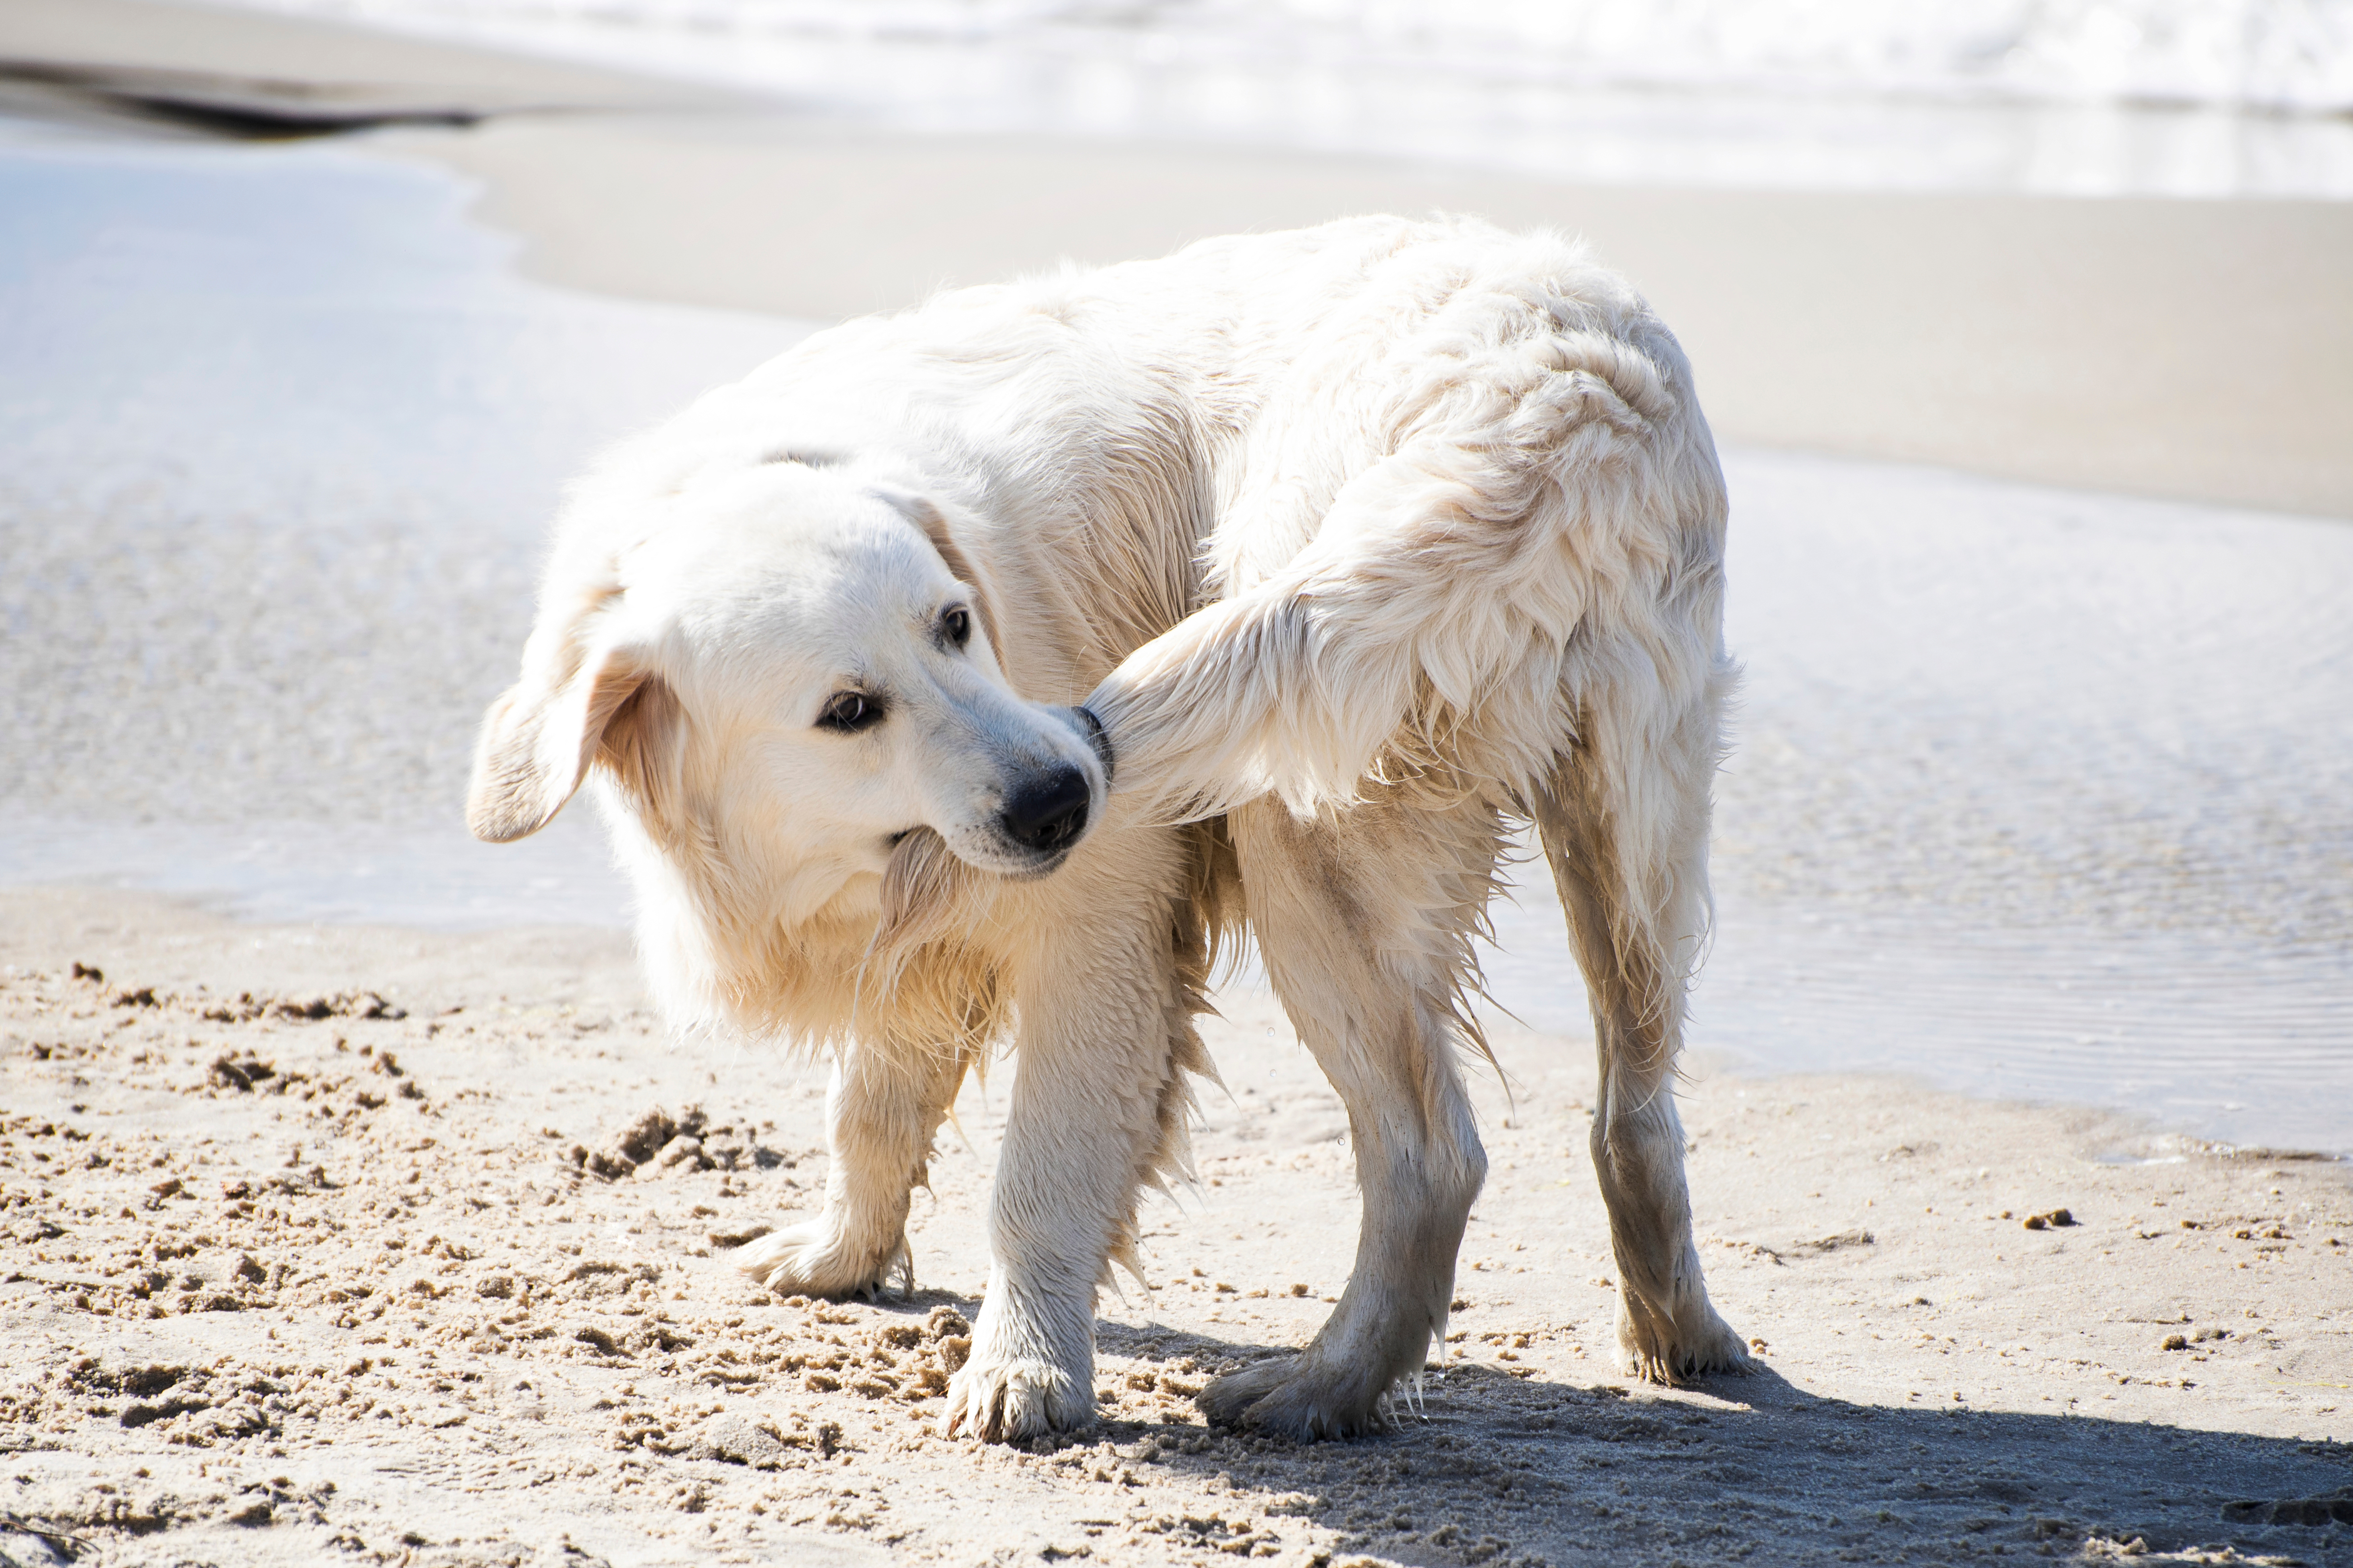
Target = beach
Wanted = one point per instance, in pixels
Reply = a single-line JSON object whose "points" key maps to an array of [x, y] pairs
{"points": [[2033, 862]]}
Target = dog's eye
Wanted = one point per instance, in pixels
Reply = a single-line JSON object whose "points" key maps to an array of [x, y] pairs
{"points": [[850, 711], [957, 624]]}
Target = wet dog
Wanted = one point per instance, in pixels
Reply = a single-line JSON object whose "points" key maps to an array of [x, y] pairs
{"points": [[967, 676]]}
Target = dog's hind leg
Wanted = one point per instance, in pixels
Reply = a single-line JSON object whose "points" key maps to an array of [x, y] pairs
{"points": [[1624, 822], [1363, 920], [883, 1108]]}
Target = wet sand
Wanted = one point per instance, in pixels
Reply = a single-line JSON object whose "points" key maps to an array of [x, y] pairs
{"points": [[226, 69]]}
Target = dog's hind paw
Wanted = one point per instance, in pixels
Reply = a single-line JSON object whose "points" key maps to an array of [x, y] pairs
{"points": [[1006, 1402], [1672, 1354], [1294, 1396], [812, 1258]]}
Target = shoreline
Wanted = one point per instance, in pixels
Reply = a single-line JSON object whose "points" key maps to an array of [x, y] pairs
{"points": [[532, 166], [154, 64], [1891, 1002]]}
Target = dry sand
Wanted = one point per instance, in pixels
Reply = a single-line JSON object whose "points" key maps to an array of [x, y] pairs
{"points": [[318, 1252], [2171, 347]]}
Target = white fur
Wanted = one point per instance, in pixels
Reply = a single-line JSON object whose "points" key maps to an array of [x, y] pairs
{"points": [[1361, 543]]}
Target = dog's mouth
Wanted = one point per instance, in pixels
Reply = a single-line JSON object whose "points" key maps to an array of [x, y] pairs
{"points": [[999, 857], [1038, 870], [990, 852]]}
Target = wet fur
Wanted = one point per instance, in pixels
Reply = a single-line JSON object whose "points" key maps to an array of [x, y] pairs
{"points": [[1364, 544]]}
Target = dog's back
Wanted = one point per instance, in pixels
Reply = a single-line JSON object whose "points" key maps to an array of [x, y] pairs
{"points": [[1148, 437]]}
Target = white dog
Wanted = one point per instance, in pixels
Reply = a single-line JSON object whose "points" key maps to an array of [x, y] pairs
{"points": [[972, 673]]}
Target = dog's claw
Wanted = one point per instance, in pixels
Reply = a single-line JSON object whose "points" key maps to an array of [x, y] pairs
{"points": [[811, 1259], [1709, 1347], [1009, 1402], [1294, 1397]]}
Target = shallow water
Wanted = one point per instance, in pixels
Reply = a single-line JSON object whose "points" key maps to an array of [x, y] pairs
{"points": [[2037, 792], [279, 436], [2221, 1036]]}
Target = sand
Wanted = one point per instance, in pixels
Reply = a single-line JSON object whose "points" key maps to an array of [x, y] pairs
{"points": [[320, 1251]]}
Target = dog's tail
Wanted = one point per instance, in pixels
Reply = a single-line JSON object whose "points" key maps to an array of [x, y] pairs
{"points": [[1545, 532]]}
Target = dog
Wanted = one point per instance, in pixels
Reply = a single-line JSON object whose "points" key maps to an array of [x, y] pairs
{"points": [[976, 675]]}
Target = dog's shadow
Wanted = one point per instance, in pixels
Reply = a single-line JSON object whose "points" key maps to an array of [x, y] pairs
{"points": [[1498, 1464]]}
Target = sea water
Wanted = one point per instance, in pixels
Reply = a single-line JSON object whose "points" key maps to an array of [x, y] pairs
{"points": [[2034, 793], [2080, 97], [280, 433]]}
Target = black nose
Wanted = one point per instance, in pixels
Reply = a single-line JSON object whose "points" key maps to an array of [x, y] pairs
{"points": [[1047, 810]]}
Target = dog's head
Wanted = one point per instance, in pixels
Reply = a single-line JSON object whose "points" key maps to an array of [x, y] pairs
{"points": [[781, 671]]}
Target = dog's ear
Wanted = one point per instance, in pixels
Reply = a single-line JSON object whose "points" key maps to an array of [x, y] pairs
{"points": [[538, 739], [926, 515]]}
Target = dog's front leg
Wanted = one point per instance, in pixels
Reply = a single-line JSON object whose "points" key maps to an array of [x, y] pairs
{"points": [[1096, 1083], [883, 1108]]}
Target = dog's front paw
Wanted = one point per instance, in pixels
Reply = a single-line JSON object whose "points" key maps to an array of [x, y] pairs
{"points": [[814, 1259], [1007, 1401], [1300, 1397]]}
